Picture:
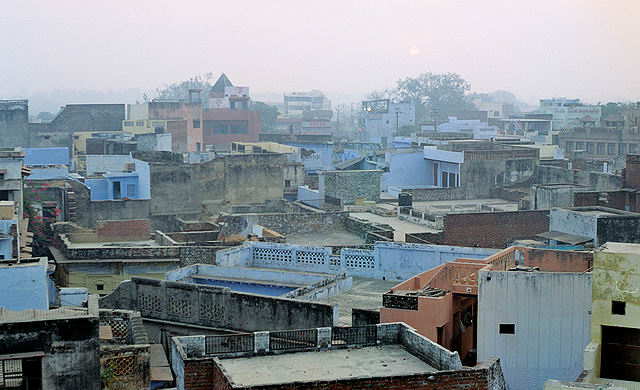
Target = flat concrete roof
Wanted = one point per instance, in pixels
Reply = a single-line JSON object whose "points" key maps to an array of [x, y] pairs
{"points": [[620, 247], [331, 365], [337, 238], [365, 294], [399, 226]]}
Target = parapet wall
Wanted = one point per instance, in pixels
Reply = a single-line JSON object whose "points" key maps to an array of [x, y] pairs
{"points": [[394, 261], [216, 306]]}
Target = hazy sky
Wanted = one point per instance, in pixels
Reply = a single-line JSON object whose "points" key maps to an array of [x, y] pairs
{"points": [[574, 48]]}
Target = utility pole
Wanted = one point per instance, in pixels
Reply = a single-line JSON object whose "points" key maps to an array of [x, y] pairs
{"points": [[434, 115], [397, 110], [337, 121]]}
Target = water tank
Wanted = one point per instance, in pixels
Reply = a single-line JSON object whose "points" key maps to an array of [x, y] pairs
{"points": [[405, 200]]}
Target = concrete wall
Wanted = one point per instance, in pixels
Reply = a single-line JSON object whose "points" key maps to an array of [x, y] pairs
{"points": [[544, 197], [217, 307], [406, 169], [567, 221], [479, 176], [14, 123], [551, 314], [283, 223], [349, 185], [24, 286], [594, 181], [71, 349], [178, 188], [310, 197]]}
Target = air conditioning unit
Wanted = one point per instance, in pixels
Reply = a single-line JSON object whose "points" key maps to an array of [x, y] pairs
{"points": [[129, 167]]}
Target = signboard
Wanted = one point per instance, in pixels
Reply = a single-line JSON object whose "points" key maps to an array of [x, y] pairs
{"points": [[376, 106], [236, 91], [219, 102]]}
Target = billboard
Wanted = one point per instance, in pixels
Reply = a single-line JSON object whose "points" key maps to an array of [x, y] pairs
{"points": [[380, 106]]}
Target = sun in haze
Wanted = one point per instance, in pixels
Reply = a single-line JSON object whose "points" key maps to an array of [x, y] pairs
{"points": [[414, 51]]}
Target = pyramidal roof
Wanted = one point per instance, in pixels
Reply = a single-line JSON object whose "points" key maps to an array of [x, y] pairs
{"points": [[223, 81]]}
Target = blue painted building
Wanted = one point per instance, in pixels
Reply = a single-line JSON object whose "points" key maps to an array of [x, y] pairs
{"points": [[25, 285], [116, 183], [405, 167], [315, 156], [6, 238], [46, 156]]}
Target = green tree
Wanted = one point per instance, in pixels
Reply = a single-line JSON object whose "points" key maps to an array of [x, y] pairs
{"points": [[268, 114], [444, 92]]}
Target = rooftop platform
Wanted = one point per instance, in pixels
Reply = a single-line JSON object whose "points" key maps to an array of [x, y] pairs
{"points": [[365, 362]]}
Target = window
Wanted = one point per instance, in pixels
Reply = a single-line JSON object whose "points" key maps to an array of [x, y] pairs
{"points": [[611, 149], [240, 127], [23, 373], [196, 124], [496, 114], [100, 287], [618, 308], [220, 128], [591, 147], [633, 148], [601, 148], [76, 137], [287, 183], [139, 123], [128, 123], [131, 190], [507, 328], [579, 145], [622, 149], [569, 146]]}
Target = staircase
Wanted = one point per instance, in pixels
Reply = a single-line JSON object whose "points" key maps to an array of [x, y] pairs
{"points": [[72, 210]]}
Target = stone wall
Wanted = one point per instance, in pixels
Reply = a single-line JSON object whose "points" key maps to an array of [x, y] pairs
{"points": [[283, 223], [486, 230], [479, 176], [178, 188], [349, 185], [216, 307], [435, 194]]}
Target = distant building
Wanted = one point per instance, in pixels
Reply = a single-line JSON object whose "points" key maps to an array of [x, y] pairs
{"points": [[598, 143], [382, 119], [228, 119], [14, 123], [567, 113], [295, 103], [479, 129]]}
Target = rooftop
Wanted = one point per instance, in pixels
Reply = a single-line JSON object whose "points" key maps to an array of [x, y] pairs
{"points": [[620, 247], [374, 361]]}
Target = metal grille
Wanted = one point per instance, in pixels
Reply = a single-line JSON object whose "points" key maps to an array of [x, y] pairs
{"points": [[228, 344], [356, 335], [293, 339]]}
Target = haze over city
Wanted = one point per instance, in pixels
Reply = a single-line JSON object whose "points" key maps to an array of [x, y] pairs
{"points": [[535, 49]]}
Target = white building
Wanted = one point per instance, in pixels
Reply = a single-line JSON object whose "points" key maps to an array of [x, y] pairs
{"points": [[568, 112], [295, 103], [480, 130], [382, 119]]}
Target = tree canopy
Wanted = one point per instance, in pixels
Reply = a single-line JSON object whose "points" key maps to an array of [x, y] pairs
{"points": [[180, 90], [444, 92], [268, 114]]}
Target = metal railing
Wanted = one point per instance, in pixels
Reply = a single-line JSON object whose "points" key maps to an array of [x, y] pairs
{"points": [[355, 335], [293, 339], [228, 344]]}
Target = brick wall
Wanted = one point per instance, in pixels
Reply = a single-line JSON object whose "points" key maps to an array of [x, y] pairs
{"points": [[124, 230], [199, 375], [489, 230], [484, 376], [631, 176]]}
